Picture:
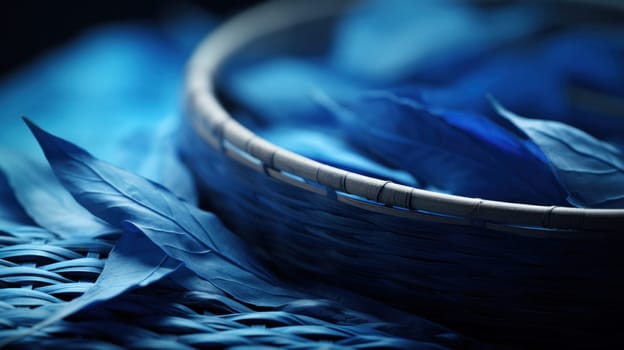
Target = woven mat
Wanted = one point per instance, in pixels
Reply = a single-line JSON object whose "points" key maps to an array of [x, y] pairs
{"points": [[39, 271]]}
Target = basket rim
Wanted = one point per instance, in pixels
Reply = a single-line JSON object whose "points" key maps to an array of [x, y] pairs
{"points": [[219, 129]]}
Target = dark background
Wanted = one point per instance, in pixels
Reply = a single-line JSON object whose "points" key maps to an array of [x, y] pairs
{"points": [[29, 28]]}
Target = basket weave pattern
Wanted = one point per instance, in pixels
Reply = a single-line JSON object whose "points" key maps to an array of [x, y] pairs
{"points": [[40, 271]]}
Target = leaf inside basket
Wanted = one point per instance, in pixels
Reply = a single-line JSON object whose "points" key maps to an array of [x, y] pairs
{"points": [[449, 151], [590, 170]]}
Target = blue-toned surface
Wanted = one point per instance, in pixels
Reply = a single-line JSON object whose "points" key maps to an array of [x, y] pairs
{"points": [[107, 259], [56, 256], [150, 217]]}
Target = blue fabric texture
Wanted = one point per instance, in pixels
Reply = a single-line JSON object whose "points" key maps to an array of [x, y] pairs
{"points": [[129, 231]]}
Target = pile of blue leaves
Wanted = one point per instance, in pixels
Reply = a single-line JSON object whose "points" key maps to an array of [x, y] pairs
{"points": [[103, 244], [431, 96]]}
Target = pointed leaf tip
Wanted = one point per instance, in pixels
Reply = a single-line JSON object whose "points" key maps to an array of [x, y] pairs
{"points": [[37, 131], [31, 125], [53, 147]]}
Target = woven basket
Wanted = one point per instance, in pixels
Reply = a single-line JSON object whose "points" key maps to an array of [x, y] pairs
{"points": [[504, 272]]}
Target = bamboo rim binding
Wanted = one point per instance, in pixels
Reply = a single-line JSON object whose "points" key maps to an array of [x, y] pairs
{"points": [[217, 128]]}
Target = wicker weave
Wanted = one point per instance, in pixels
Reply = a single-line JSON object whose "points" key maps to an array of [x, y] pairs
{"points": [[563, 256], [265, 25], [39, 271], [505, 272]]}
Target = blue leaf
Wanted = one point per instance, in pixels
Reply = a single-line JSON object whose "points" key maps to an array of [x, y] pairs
{"points": [[103, 84], [590, 170], [195, 238], [542, 81], [391, 43], [321, 146], [14, 221], [281, 90], [184, 232], [134, 262], [12, 215], [454, 152], [47, 202]]}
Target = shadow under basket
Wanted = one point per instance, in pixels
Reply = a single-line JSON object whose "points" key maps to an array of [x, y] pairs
{"points": [[499, 272]]}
